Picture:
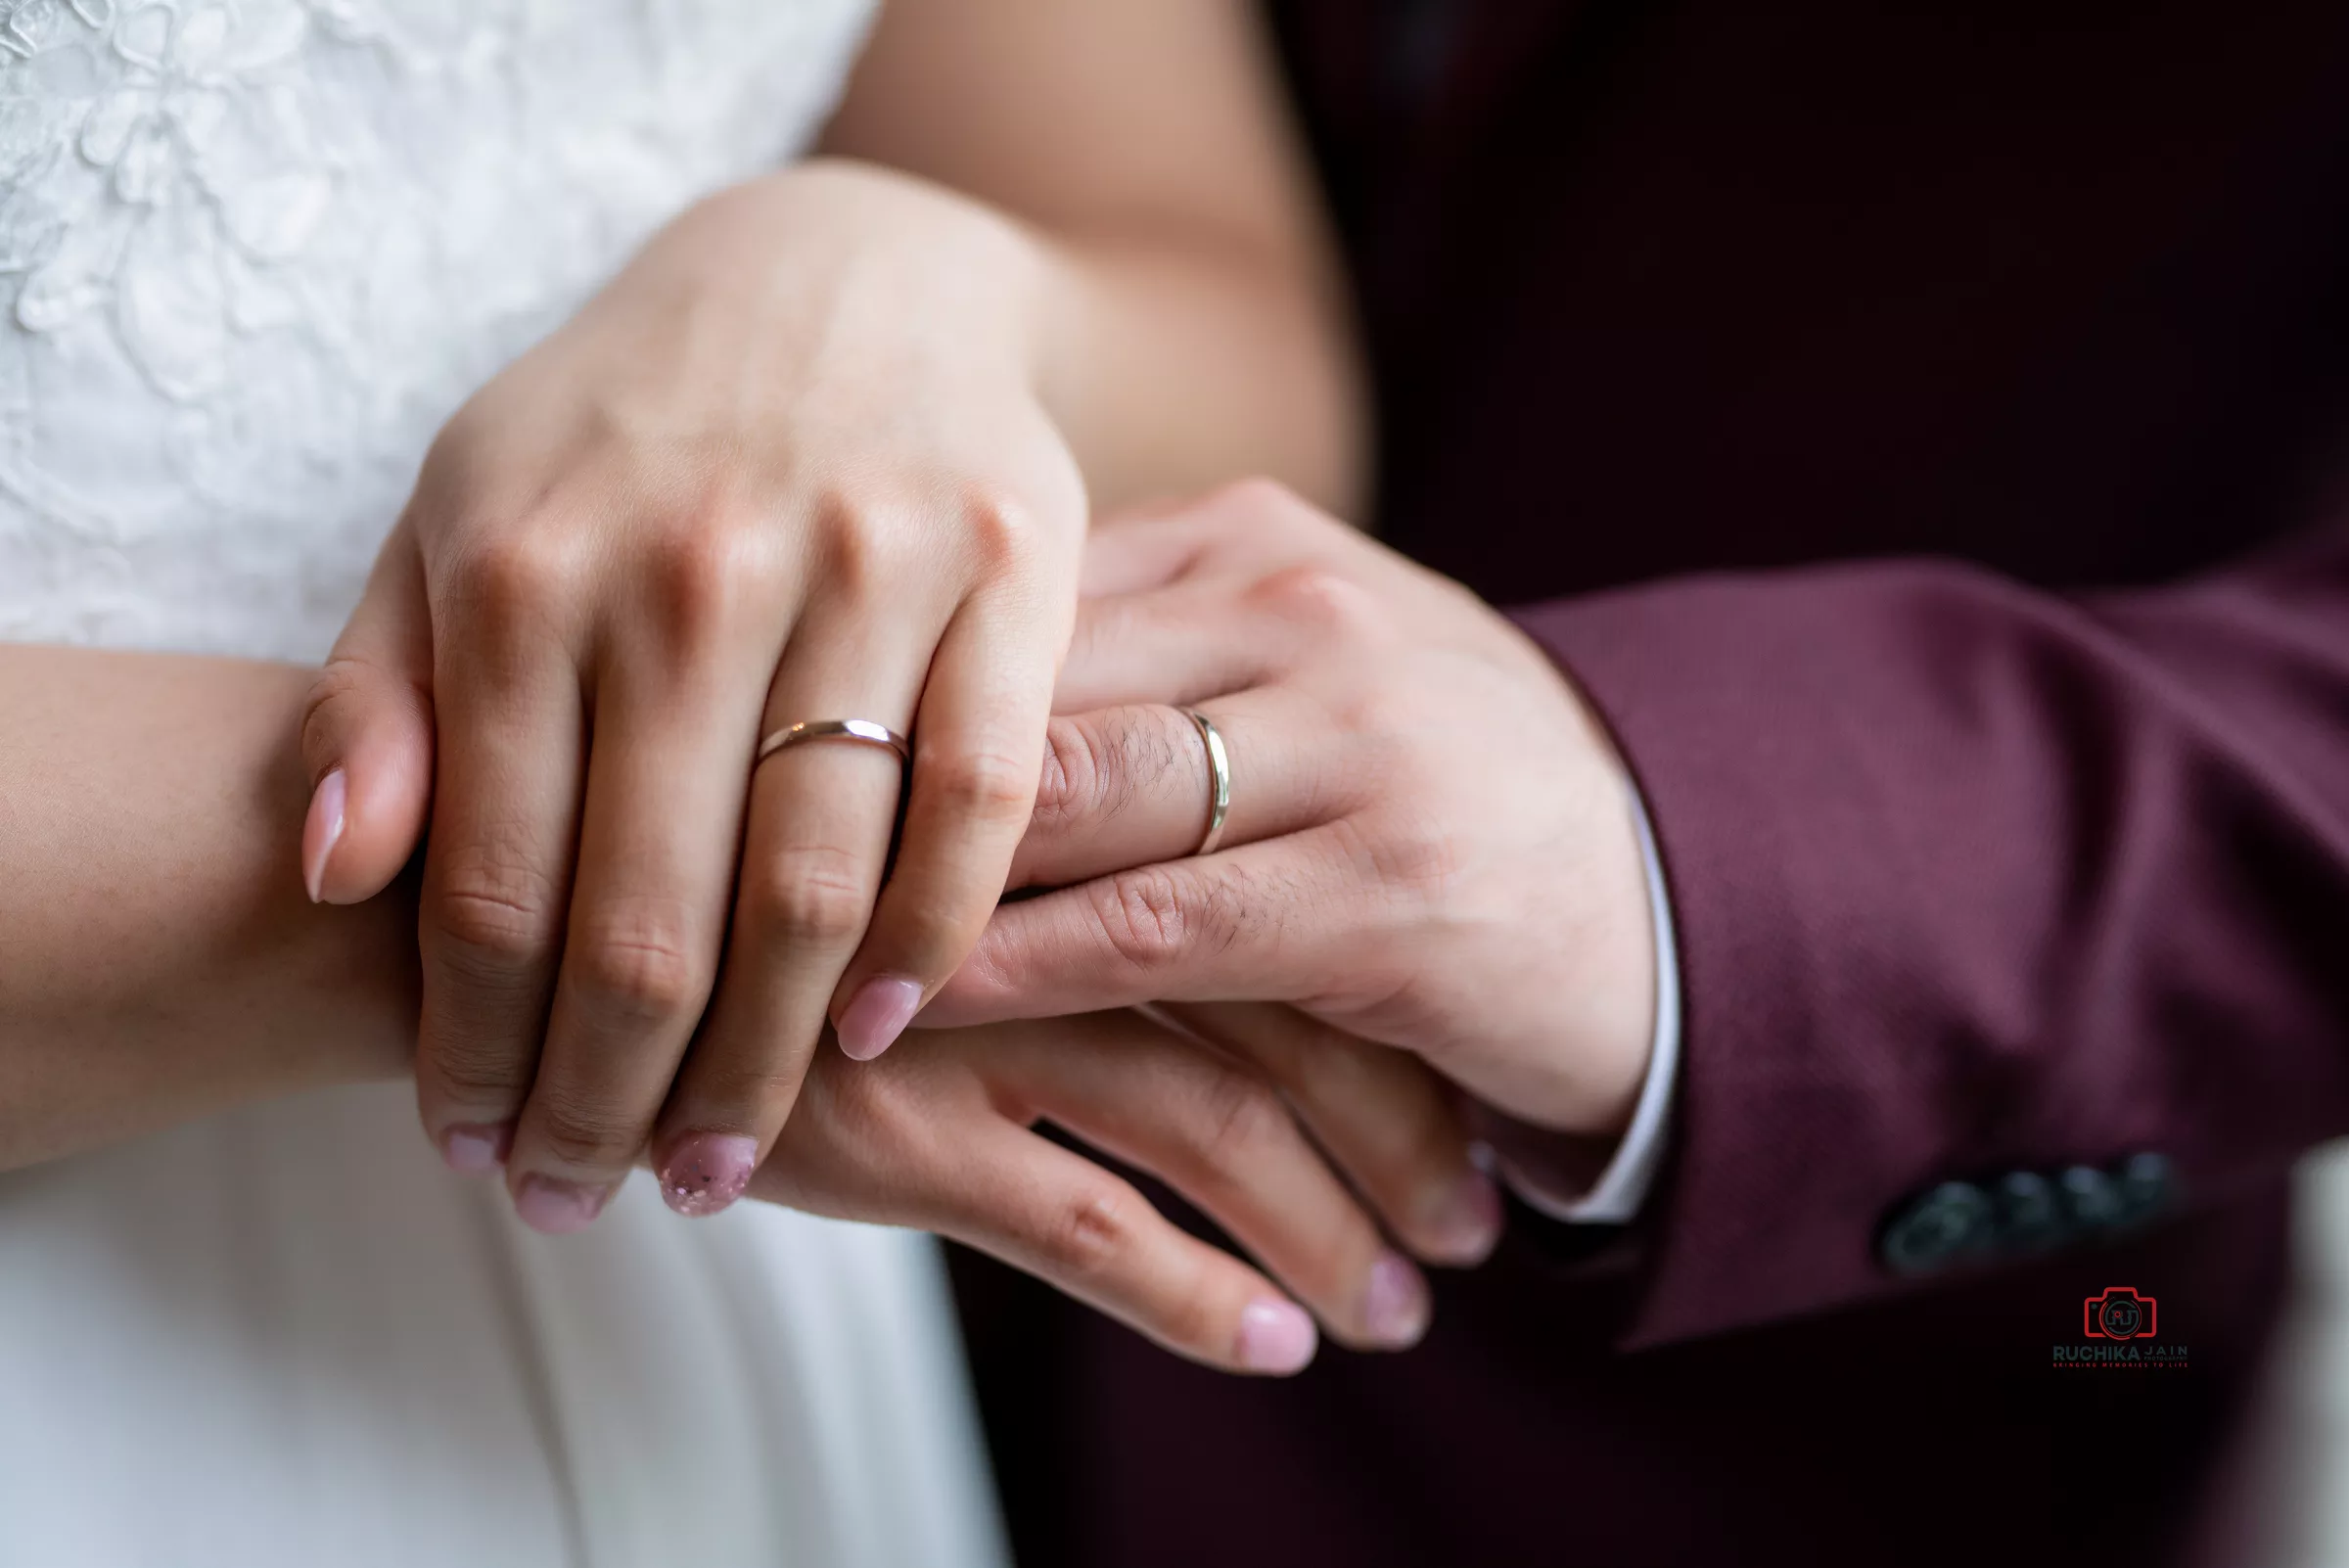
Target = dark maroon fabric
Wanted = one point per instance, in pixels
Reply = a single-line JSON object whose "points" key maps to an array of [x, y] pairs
{"points": [[1971, 879], [1919, 421]]}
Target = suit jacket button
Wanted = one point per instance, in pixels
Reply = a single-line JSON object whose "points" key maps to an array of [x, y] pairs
{"points": [[1937, 1230], [2147, 1185], [2091, 1198], [2030, 1217]]}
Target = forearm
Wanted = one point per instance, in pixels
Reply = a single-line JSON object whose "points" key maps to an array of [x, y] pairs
{"points": [[1196, 325], [1172, 366], [158, 956]]}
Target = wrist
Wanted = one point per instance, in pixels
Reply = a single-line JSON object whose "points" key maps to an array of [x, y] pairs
{"points": [[832, 248]]}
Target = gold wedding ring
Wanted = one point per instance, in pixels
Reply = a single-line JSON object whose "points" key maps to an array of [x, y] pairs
{"points": [[863, 731], [1219, 781]]}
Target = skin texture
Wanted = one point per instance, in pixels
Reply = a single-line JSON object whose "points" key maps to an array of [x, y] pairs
{"points": [[827, 450], [159, 960], [1424, 818]]}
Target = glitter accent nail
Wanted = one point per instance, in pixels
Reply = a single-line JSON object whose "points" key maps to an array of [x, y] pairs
{"points": [[705, 1171]]}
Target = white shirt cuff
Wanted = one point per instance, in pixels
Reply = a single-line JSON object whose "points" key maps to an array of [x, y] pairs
{"points": [[1622, 1187]]}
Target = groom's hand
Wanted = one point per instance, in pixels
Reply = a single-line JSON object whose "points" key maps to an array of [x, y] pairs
{"points": [[1431, 842], [939, 1134]]}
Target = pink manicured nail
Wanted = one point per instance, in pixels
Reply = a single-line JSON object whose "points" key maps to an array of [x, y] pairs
{"points": [[1394, 1305], [559, 1208], [706, 1172], [321, 831], [1275, 1336], [877, 1015], [1465, 1219], [476, 1149]]}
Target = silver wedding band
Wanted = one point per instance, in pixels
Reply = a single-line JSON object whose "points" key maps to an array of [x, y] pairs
{"points": [[1219, 781], [861, 731]]}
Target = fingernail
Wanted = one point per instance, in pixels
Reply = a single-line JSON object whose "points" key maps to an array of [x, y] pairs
{"points": [[1395, 1306], [557, 1208], [706, 1172], [321, 831], [1465, 1219], [476, 1148], [877, 1015], [1275, 1336]]}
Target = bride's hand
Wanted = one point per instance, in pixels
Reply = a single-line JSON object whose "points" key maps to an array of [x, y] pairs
{"points": [[788, 467], [937, 1134]]}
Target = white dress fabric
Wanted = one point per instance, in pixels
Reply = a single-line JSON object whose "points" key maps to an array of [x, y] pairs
{"points": [[252, 253]]}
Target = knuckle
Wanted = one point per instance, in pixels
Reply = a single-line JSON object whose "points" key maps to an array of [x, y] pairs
{"points": [[1066, 787], [1320, 599], [1143, 914], [999, 528], [813, 897], [583, 1132], [1245, 509], [1153, 916], [477, 1076], [1095, 764], [985, 786], [1414, 861], [1257, 494], [861, 545], [1238, 1118], [702, 569], [491, 911], [641, 964], [1090, 1232], [516, 574], [342, 679]]}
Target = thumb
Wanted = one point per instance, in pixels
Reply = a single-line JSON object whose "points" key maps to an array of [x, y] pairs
{"points": [[367, 736]]}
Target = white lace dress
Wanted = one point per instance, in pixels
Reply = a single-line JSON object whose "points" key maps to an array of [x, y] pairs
{"points": [[252, 254]]}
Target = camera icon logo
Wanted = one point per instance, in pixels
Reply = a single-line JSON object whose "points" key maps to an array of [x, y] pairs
{"points": [[2118, 1312]]}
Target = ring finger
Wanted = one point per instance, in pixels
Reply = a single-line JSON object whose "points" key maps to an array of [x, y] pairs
{"points": [[656, 858], [813, 853], [1135, 785]]}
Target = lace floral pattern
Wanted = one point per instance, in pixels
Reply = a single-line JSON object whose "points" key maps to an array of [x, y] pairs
{"points": [[252, 254]]}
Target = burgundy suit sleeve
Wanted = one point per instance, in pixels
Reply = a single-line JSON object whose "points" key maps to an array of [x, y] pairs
{"points": [[1970, 879]]}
